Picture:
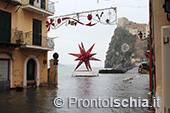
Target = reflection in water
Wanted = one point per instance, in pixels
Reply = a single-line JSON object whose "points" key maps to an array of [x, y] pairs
{"points": [[40, 100]]}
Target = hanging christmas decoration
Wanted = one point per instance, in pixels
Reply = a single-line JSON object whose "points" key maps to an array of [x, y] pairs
{"points": [[107, 21], [59, 20], [85, 56], [106, 16], [49, 24], [89, 17]]}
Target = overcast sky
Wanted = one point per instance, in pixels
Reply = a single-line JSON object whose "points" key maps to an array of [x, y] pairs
{"points": [[70, 36]]}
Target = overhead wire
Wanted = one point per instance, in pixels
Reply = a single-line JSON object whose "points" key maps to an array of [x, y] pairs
{"points": [[127, 2], [123, 4], [132, 6]]}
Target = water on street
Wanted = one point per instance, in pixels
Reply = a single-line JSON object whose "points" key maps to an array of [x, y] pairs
{"points": [[40, 100]]}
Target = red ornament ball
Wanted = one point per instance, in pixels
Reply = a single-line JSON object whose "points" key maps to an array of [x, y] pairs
{"points": [[59, 21], [89, 17]]}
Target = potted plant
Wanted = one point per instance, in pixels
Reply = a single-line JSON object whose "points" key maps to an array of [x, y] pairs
{"points": [[18, 41], [19, 36]]}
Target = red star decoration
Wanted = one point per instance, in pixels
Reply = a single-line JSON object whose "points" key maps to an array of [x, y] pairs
{"points": [[84, 56]]}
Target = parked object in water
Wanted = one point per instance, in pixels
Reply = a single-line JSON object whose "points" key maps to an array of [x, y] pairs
{"points": [[127, 79], [143, 68]]}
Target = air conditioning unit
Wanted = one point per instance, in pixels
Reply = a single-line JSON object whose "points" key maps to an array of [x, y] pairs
{"points": [[165, 30]]}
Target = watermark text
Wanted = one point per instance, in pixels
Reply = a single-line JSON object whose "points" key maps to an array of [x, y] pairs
{"points": [[106, 103]]}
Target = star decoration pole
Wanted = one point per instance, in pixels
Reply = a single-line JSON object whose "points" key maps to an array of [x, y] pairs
{"points": [[84, 56]]}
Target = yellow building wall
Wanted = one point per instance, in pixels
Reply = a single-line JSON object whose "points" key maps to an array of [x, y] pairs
{"points": [[160, 20], [19, 57], [23, 20]]}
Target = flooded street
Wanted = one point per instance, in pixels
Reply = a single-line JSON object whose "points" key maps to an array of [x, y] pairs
{"points": [[40, 100]]}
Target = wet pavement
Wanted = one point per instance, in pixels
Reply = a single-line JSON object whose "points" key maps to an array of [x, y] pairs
{"points": [[40, 100]]}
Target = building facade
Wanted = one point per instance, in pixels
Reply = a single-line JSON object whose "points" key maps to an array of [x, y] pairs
{"points": [[24, 43], [160, 21]]}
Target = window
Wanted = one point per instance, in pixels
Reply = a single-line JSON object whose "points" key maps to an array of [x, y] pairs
{"points": [[37, 29], [5, 26]]}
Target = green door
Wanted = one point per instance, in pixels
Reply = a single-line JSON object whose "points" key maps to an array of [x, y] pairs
{"points": [[37, 29], [31, 69], [5, 27]]}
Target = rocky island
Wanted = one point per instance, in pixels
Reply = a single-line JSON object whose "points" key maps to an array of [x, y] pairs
{"points": [[126, 50]]}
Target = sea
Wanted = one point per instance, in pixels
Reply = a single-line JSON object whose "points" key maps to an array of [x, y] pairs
{"points": [[75, 94]]}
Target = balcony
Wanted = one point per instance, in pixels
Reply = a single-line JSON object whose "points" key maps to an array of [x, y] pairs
{"points": [[13, 2], [39, 7], [25, 40]]}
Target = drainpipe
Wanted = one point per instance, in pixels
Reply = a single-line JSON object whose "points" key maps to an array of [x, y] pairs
{"points": [[150, 44]]}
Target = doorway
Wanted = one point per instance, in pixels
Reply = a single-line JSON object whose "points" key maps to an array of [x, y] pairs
{"points": [[4, 74], [31, 72]]}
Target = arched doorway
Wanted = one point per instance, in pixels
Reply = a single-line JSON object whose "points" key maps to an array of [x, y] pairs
{"points": [[31, 72], [34, 69]]}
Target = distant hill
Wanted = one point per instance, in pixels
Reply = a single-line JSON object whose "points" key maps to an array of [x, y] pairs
{"points": [[125, 36], [60, 65]]}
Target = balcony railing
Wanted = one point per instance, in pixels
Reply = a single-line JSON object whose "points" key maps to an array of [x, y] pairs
{"points": [[26, 38], [42, 7], [50, 42], [51, 7], [41, 4]]}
